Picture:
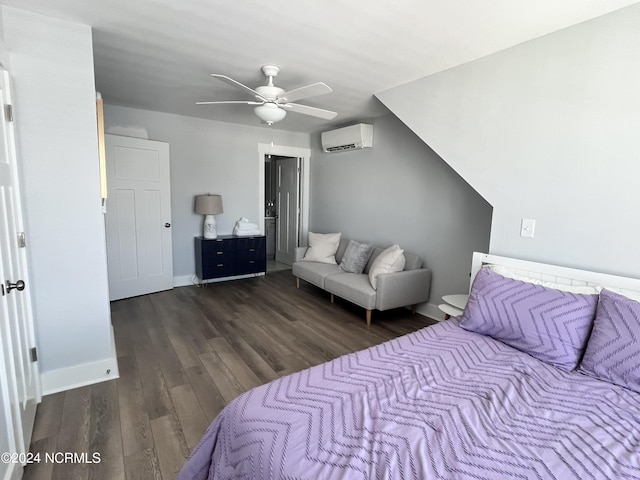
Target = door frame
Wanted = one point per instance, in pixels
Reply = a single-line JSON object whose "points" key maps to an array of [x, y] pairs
{"points": [[305, 162], [19, 403]]}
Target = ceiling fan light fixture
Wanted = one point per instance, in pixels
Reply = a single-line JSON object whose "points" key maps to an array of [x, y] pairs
{"points": [[269, 113], [274, 102]]}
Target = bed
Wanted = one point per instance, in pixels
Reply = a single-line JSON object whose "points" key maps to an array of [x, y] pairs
{"points": [[454, 402]]}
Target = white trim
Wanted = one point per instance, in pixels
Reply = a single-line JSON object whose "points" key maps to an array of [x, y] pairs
{"points": [[62, 379], [285, 151], [304, 199], [192, 280], [432, 311], [184, 280]]}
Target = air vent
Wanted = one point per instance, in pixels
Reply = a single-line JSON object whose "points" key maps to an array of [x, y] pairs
{"points": [[348, 138]]}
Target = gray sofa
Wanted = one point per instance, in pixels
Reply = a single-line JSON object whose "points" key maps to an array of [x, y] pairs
{"points": [[400, 289]]}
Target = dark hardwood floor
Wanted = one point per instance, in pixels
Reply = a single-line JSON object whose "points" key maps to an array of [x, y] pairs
{"points": [[183, 355]]}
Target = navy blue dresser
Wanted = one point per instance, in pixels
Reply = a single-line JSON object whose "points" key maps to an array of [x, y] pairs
{"points": [[228, 255]]}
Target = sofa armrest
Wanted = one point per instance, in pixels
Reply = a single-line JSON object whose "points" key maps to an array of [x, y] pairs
{"points": [[401, 289], [299, 253]]}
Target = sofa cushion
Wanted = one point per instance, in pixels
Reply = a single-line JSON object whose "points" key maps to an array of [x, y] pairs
{"points": [[389, 261], [353, 287], [412, 262], [376, 251], [314, 272], [356, 256], [342, 247], [322, 247]]}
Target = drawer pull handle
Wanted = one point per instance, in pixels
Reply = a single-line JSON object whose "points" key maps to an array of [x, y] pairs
{"points": [[219, 253], [252, 249], [220, 265], [252, 261]]}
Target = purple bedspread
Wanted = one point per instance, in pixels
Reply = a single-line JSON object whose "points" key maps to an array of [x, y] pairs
{"points": [[441, 403]]}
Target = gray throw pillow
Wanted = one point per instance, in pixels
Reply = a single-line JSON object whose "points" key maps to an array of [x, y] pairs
{"points": [[356, 256]]}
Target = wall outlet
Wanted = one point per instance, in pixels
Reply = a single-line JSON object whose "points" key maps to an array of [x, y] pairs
{"points": [[527, 227]]}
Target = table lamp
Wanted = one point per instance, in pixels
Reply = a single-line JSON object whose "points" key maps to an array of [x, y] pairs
{"points": [[209, 205]]}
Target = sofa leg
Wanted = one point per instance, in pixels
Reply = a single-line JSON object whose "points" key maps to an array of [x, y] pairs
{"points": [[297, 282], [333, 299], [369, 318], [414, 307]]}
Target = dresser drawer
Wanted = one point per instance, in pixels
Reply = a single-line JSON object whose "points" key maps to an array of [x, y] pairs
{"points": [[227, 256], [218, 261], [217, 246], [247, 264], [250, 244], [220, 269]]}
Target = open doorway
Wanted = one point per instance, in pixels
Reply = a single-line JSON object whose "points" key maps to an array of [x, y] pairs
{"points": [[284, 197], [282, 209]]}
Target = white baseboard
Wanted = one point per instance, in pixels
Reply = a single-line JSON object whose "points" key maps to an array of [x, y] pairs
{"points": [[188, 280], [432, 311], [81, 375], [183, 281]]}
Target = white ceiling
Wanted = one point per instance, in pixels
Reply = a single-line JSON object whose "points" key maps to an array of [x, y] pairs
{"points": [[157, 54]]}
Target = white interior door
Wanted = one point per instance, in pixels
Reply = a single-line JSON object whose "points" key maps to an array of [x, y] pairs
{"points": [[19, 376], [287, 208], [138, 218]]}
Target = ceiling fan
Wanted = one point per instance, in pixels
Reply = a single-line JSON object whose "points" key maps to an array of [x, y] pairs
{"points": [[272, 103]]}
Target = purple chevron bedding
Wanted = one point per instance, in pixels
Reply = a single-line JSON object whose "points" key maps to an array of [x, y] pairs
{"points": [[441, 403]]}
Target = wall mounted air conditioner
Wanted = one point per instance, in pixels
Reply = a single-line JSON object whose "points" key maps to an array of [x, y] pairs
{"points": [[347, 138]]}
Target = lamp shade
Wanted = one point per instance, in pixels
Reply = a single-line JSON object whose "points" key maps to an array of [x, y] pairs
{"points": [[270, 113], [208, 204]]}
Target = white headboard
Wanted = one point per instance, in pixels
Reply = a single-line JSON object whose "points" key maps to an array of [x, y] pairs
{"points": [[557, 274]]}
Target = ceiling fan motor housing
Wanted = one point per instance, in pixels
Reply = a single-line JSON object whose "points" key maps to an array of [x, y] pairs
{"points": [[269, 92]]}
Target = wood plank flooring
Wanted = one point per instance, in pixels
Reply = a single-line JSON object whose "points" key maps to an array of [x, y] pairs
{"points": [[183, 355]]}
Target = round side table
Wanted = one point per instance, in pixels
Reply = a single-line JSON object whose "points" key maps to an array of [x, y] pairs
{"points": [[454, 305]]}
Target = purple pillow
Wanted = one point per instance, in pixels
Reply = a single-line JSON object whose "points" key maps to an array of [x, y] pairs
{"points": [[613, 350], [548, 324]]}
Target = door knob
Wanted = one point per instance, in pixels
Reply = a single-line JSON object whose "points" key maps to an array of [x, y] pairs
{"points": [[167, 225], [19, 285]]}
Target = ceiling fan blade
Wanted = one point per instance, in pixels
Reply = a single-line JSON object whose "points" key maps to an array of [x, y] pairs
{"points": [[239, 85], [246, 102], [312, 90], [307, 110]]}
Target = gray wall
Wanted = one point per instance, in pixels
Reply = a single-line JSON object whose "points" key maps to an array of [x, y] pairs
{"points": [[547, 130], [206, 156], [401, 192], [52, 68]]}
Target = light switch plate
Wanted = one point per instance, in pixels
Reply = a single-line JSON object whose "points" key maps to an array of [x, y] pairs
{"points": [[527, 227]]}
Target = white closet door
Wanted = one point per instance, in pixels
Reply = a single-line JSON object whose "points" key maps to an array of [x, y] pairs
{"points": [[138, 218]]}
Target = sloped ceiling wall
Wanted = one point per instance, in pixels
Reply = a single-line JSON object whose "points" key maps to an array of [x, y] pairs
{"points": [[548, 130]]}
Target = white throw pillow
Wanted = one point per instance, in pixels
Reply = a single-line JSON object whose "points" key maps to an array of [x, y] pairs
{"points": [[389, 261], [322, 247]]}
